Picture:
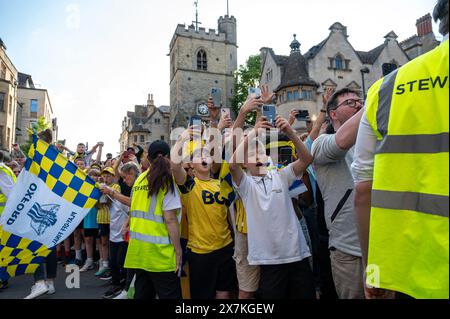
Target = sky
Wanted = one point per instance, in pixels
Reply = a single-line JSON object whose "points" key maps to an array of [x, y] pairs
{"points": [[99, 58]]}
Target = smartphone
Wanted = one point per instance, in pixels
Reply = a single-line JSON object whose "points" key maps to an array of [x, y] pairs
{"points": [[195, 121], [285, 156], [254, 92], [216, 94], [270, 112], [302, 115], [226, 111]]}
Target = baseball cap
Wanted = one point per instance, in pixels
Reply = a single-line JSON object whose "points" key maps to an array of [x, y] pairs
{"points": [[157, 148], [109, 170]]}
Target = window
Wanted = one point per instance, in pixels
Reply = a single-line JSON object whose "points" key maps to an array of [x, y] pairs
{"points": [[10, 104], [307, 95], [157, 121], [269, 75], [202, 62], [162, 137], [2, 102], [1, 135], [34, 107], [338, 63], [290, 96], [135, 138], [296, 95], [8, 136], [142, 139], [3, 71]]}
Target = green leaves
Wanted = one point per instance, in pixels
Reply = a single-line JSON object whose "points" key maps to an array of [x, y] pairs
{"points": [[246, 76], [37, 127]]}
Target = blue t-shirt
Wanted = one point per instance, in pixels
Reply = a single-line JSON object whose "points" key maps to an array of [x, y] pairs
{"points": [[90, 221]]}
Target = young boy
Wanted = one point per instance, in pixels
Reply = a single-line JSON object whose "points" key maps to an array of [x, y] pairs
{"points": [[103, 221], [275, 238], [211, 266]]}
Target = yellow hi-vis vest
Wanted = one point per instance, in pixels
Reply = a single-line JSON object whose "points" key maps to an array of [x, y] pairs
{"points": [[408, 239], [9, 174], [149, 247]]}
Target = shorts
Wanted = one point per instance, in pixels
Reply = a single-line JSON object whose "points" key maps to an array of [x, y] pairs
{"points": [[215, 271], [247, 275], [91, 232], [80, 226], [103, 229]]}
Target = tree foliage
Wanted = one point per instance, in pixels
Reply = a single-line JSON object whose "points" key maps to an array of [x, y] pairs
{"points": [[246, 76], [37, 127]]}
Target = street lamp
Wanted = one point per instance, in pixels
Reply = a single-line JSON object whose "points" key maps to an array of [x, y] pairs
{"points": [[364, 70]]}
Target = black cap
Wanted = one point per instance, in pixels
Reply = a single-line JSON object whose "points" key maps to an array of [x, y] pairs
{"points": [[157, 148]]}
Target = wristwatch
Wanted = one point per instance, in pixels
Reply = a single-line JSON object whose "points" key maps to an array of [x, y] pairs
{"points": [[323, 111]]}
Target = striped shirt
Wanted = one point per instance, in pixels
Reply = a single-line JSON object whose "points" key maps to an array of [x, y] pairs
{"points": [[103, 216]]}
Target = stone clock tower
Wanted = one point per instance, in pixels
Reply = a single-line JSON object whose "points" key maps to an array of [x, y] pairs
{"points": [[201, 59]]}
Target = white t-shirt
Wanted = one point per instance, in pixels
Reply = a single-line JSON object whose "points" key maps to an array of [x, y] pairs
{"points": [[118, 214], [274, 233]]}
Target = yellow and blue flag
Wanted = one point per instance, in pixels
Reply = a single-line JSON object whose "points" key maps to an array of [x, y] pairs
{"points": [[227, 191], [50, 199]]}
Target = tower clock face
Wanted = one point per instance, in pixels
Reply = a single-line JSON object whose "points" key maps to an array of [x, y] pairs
{"points": [[202, 109]]}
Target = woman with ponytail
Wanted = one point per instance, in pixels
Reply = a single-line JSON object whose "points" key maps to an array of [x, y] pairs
{"points": [[154, 249]]}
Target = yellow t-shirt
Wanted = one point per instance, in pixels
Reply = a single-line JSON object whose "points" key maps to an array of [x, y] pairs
{"points": [[103, 216], [241, 217], [206, 214]]}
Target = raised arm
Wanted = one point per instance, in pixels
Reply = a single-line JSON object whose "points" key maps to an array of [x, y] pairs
{"points": [[304, 156], [347, 133], [235, 165], [117, 164], [100, 149], [251, 105], [176, 155], [322, 115]]}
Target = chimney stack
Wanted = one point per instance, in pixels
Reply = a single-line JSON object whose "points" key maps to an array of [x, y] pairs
{"points": [[424, 25], [150, 101]]}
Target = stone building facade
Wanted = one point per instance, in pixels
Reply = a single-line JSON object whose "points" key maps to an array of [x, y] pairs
{"points": [[8, 99], [300, 79], [145, 125], [423, 41], [35, 103], [199, 61]]}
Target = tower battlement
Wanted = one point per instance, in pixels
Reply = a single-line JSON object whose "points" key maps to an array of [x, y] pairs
{"points": [[201, 33]]}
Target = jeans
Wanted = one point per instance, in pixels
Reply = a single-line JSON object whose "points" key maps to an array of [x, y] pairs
{"points": [[49, 270], [117, 252]]}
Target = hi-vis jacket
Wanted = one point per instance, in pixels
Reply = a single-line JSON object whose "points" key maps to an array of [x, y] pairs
{"points": [[409, 238]]}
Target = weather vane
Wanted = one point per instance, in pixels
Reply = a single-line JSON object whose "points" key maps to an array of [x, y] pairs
{"points": [[196, 22]]}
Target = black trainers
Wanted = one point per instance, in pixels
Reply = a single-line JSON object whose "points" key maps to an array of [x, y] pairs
{"points": [[3, 285], [112, 292], [106, 276]]}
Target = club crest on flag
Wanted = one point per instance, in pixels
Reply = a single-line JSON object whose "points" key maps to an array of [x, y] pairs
{"points": [[43, 217]]}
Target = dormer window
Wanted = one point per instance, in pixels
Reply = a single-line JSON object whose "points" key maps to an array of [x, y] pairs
{"points": [[269, 75], [202, 61], [338, 63]]}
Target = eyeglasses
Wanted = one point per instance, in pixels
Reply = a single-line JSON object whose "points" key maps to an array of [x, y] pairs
{"points": [[351, 103]]}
